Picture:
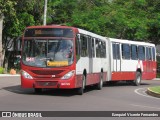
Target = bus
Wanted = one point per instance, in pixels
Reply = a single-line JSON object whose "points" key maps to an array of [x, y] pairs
{"points": [[64, 57]]}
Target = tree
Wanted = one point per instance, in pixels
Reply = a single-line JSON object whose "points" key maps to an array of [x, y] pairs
{"points": [[17, 15], [134, 20], [153, 8]]}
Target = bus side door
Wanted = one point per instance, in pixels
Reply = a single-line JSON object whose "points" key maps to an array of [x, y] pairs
{"points": [[116, 57]]}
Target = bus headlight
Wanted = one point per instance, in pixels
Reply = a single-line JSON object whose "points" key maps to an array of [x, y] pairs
{"points": [[68, 75], [26, 75]]}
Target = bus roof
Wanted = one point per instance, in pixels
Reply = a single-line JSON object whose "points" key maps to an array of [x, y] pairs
{"points": [[50, 26], [91, 34], [130, 42]]}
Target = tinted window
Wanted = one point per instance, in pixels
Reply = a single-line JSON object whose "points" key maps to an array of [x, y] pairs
{"points": [[103, 49], [77, 47], [115, 49], [125, 51], [134, 55], [148, 53], [93, 48], [84, 46], [141, 52], [98, 48], [153, 53]]}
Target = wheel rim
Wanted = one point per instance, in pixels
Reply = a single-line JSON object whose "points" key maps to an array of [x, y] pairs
{"points": [[101, 83], [138, 79], [83, 83]]}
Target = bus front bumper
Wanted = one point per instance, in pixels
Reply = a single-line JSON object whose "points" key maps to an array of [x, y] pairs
{"points": [[62, 84]]}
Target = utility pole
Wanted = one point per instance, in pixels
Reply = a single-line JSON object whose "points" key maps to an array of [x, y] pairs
{"points": [[45, 12]]}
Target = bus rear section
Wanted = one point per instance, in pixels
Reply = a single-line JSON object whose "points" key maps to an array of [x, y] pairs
{"points": [[132, 61]]}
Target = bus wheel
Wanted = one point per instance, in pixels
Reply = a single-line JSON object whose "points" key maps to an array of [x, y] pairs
{"points": [[38, 90], [137, 80], [100, 84], [81, 89]]}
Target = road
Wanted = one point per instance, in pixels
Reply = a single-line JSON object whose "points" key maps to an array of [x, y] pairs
{"points": [[118, 97]]}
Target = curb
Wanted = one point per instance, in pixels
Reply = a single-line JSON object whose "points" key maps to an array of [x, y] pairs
{"points": [[9, 75], [156, 79], [152, 93]]}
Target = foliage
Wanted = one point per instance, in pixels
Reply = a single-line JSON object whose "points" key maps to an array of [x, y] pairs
{"points": [[135, 20], [1, 70], [127, 19]]}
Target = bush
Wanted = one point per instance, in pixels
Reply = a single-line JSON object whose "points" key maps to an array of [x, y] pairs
{"points": [[1, 70]]}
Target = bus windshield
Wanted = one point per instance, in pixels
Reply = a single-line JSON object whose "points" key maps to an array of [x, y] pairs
{"points": [[47, 53]]}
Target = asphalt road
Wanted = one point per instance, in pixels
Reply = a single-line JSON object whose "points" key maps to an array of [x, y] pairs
{"points": [[118, 97]]}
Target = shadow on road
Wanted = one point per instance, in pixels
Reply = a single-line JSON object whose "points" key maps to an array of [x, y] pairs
{"points": [[121, 84], [49, 92], [64, 92]]}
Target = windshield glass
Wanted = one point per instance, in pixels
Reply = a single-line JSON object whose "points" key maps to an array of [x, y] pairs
{"points": [[47, 53]]}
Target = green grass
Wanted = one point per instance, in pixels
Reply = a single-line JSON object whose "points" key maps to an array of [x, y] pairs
{"points": [[155, 89]]}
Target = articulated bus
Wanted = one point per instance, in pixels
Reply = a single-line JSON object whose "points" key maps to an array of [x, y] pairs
{"points": [[63, 57]]}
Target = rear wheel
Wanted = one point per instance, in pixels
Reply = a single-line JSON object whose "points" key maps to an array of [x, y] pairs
{"points": [[138, 78], [81, 89], [100, 84]]}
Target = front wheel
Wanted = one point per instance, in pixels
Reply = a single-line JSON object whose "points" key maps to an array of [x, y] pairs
{"points": [[81, 89], [138, 78]]}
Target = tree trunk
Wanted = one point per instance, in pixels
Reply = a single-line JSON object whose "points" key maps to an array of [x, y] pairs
{"points": [[1, 48]]}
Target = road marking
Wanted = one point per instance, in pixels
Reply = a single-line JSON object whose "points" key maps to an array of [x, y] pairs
{"points": [[8, 75], [143, 93], [145, 106]]}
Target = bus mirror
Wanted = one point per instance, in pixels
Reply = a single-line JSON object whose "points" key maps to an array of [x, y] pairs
{"points": [[78, 36]]}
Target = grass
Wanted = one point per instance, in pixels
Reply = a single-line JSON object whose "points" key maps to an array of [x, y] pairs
{"points": [[155, 89]]}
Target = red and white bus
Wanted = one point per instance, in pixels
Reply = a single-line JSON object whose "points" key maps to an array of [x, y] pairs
{"points": [[67, 57]]}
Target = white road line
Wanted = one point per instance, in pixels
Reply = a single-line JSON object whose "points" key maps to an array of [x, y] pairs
{"points": [[145, 106], [9, 75], [144, 94]]}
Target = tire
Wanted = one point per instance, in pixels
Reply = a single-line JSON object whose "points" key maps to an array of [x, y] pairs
{"points": [[100, 84], [38, 90], [138, 78], [81, 89]]}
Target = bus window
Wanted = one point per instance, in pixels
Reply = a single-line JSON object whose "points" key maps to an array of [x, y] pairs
{"points": [[98, 50], [84, 49], [141, 52], [78, 47], [153, 54], [125, 51], [90, 47], [116, 53], [93, 48], [103, 49], [148, 53], [134, 55]]}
